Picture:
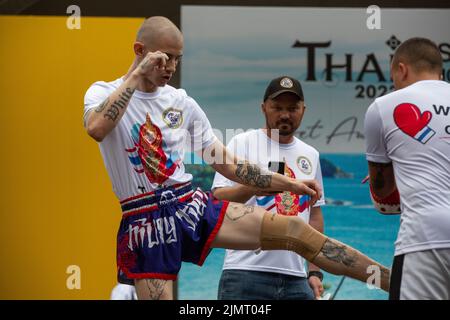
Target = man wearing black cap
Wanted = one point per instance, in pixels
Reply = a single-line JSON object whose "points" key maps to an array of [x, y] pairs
{"points": [[274, 274]]}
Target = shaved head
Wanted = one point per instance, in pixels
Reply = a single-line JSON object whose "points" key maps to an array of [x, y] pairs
{"points": [[159, 44], [421, 54], [155, 29]]}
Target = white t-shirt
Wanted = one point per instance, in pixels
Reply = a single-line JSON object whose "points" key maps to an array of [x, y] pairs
{"points": [[411, 128], [146, 149], [302, 162]]}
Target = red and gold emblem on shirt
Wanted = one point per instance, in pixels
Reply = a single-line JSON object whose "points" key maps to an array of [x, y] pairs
{"points": [[287, 203], [148, 154]]}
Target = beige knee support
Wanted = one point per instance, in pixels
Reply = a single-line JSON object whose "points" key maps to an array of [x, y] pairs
{"points": [[279, 232]]}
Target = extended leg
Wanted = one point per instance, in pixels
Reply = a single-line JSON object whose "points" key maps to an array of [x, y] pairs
{"points": [[247, 228]]}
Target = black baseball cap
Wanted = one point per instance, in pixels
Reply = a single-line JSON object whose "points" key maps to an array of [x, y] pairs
{"points": [[281, 85]]}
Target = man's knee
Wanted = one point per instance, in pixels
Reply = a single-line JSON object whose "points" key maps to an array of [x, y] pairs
{"points": [[290, 233]]}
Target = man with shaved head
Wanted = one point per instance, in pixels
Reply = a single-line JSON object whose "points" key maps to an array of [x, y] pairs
{"points": [[144, 126], [408, 147]]}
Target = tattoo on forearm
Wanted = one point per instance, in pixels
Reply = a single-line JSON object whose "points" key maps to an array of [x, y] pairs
{"points": [[251, 175], [114, 109], [379, 181], [338, 253], [155, 288], [102, 106], [239, 211]]}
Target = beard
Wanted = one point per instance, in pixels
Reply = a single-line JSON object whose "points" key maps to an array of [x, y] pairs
{"points": [[281, 127], [285, 128]]}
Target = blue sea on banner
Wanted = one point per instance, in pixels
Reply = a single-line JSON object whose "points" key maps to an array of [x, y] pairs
{"points": [[349, 217]]}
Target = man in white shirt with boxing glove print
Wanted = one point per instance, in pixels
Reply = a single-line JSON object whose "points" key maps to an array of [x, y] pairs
{"points": [[408, 148]]}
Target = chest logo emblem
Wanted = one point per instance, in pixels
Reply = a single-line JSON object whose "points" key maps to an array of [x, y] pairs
{"points": [[173, 118], [304, 165]]}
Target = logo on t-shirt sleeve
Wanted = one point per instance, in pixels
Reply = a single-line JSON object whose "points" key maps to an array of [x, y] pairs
{"points": [[411, 121]]}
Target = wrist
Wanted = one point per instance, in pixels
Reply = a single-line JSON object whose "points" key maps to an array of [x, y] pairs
{"points": [[292, 185], [131, 82], [135, 76], [315, 273]]}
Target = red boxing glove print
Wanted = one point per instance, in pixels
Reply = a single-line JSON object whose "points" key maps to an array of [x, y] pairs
{"points": [[411, 121]]}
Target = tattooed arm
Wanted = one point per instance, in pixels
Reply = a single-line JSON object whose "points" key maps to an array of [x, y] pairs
{"points": [[102, 120], [382, 178], [252, 175], [340, 259]]}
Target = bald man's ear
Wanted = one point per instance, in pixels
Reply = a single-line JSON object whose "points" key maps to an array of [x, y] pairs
{"points": [[403, 68], [139, 49]]}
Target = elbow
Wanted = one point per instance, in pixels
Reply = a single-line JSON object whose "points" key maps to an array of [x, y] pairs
{"points": [[95, 132]]}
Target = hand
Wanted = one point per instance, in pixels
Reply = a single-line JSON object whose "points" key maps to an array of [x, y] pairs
{"points": [[151, 62], [316, 286], [309, 187], [365, 179]]}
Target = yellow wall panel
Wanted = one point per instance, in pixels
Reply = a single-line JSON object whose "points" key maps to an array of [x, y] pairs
{"points": [[58, 208]]}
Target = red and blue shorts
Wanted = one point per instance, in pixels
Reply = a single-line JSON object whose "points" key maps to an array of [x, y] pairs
{"points": [[162, 228]]}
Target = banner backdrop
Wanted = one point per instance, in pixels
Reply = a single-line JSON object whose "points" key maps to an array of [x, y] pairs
{"points": [[231, 53]]}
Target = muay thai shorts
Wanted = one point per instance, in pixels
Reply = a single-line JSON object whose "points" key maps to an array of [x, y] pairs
{"points": [[160, 229]]}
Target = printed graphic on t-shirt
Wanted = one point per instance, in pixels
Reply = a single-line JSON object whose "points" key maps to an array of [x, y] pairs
{"points": [[286, 203], [147, 155], [413, 122]]}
